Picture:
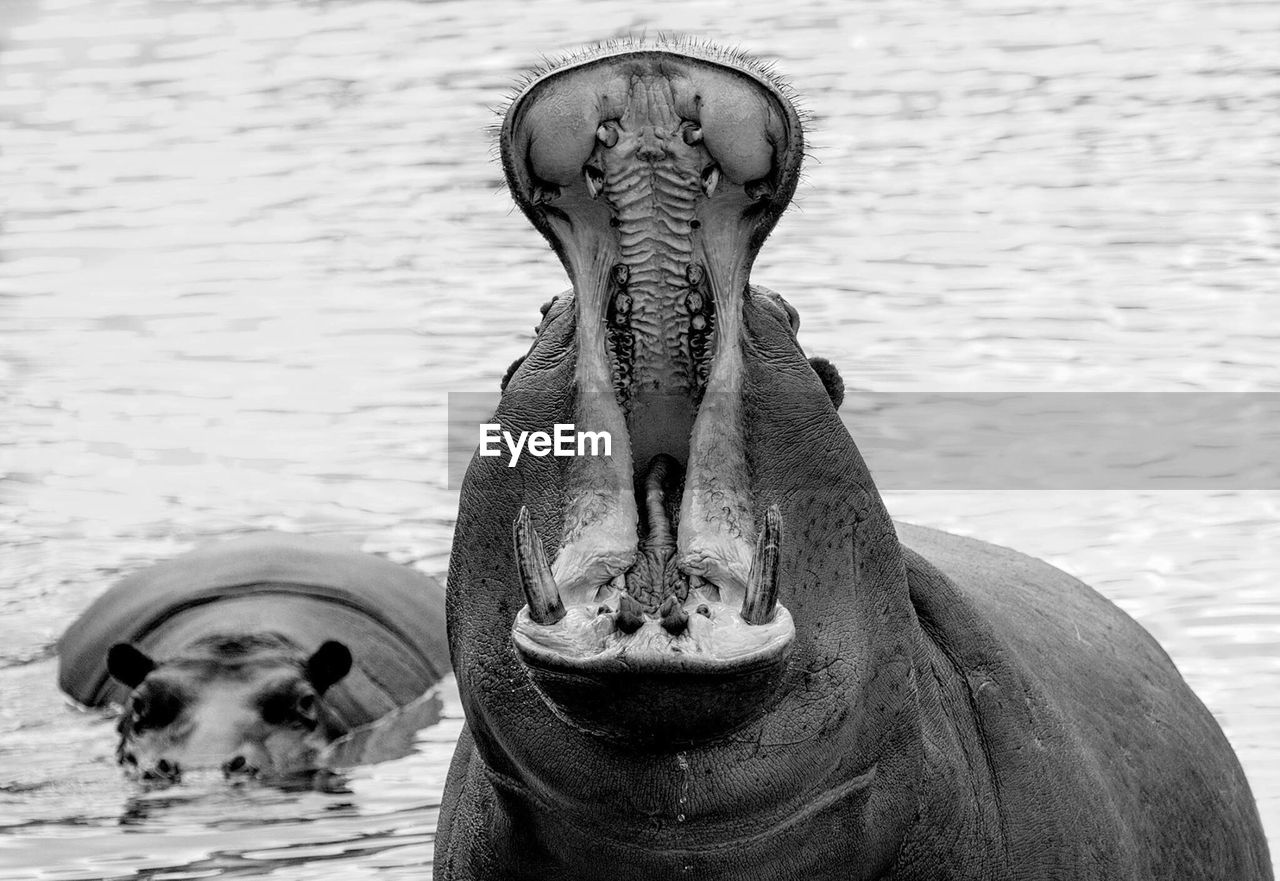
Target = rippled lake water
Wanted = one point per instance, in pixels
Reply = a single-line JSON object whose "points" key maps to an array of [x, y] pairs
{"points": [[248, 248]]}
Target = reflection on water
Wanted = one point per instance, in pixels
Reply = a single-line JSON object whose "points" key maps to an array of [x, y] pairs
{"points": [[248, 247]]}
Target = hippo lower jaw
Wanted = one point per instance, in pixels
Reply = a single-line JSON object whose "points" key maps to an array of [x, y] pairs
{"points": [[702, 663], [656, 176], [608, 667]]}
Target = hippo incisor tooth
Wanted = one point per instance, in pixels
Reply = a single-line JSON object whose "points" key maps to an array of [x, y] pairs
{"points": [[540, 590], [630, 614], [762, 585], [674, 618]]}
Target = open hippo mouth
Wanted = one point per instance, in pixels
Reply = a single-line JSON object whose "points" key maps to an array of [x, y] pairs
{"points": [[656, 176]]}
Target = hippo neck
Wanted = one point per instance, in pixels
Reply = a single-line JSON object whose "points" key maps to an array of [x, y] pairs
{"points": [[856, 762], [843, 746]]}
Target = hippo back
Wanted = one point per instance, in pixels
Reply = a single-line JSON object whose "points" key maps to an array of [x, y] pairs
{"points": [[305, 589], [1092, 731]]}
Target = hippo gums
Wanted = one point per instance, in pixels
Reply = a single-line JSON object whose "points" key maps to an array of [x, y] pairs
{"points": [[252, 656], [712, 654]]}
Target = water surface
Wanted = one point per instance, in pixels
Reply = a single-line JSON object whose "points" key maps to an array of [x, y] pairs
{"points": [[249, 247]]}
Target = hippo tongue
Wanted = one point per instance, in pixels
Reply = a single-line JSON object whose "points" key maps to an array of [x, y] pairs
{"points": [[654, 578]]}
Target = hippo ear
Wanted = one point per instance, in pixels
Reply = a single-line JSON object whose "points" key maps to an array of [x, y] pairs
{"points": [[128, 664], [330, 663], [511, 371], [831, 380]]}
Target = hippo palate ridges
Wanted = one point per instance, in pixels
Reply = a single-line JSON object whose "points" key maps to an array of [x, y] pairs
{"points": [[655, 175]]}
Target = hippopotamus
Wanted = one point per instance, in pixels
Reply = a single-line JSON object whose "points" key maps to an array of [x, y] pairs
{"points": [[250, 656], [712, 654]]}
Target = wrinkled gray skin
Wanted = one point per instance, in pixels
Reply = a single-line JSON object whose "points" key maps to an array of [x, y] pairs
{"points": [[918, 706]]}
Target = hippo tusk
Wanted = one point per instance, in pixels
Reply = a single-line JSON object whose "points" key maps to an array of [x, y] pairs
{"points": [[762, 585], [539, 586], [710, 180], [594, 180]]}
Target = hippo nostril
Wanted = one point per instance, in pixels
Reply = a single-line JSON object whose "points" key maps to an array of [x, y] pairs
{"points": [[129, 759], [163, 770], [239, 766]]}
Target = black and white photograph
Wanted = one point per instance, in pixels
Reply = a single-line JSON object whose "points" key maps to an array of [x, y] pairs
{"points": [[617, 440]]}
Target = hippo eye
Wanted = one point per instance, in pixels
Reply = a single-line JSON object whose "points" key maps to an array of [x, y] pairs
{"points": [[290, 708], [154, 708]]}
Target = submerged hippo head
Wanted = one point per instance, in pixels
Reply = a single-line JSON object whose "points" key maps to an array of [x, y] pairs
{"points": [[249, 706], [681, 628]]}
